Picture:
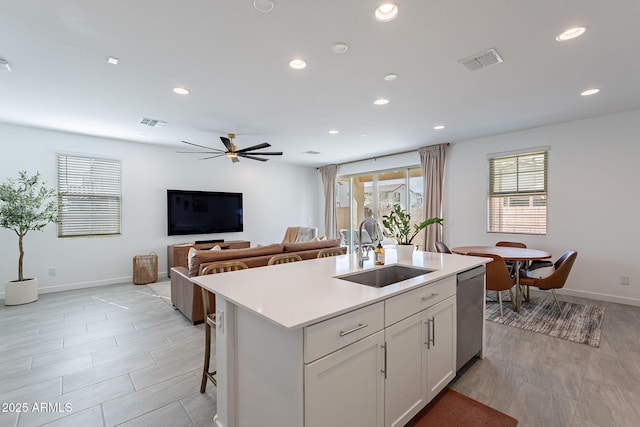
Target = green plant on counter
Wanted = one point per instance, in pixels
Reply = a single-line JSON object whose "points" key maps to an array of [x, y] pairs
{"points": [[397, 223]]}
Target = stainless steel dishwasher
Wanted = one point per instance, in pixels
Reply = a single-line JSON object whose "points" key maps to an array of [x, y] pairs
{"points": [[470, 302]]}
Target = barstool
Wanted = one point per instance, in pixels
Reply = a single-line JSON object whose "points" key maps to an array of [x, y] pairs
{"points": [[283, 259], [210, 315]]}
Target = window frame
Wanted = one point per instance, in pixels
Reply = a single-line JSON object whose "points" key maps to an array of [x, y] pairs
{"points": [[89, 195], [525, 182]]}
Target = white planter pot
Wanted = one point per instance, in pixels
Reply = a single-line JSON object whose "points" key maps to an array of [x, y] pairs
{"points": [[16, 293], [405, 252]]}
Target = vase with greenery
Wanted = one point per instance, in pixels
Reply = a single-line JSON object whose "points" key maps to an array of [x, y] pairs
{"points": [[398, 225], [26, 204]]}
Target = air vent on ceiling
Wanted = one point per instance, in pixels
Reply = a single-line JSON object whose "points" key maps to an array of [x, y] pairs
{"points": [[311, 152], [481, 59], [152, 122]]}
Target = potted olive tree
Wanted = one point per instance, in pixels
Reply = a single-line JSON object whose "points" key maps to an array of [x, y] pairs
{"points": [[397, 223], [26, 204]]}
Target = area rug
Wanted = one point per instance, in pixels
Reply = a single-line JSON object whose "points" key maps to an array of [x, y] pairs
{"points": [[582, 323], [452, 409]]}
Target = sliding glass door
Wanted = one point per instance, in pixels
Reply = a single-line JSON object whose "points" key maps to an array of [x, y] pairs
{"points": [[373, 195]]}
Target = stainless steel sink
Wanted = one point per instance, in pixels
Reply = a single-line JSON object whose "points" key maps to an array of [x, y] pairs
{"points": [[385, 276]]}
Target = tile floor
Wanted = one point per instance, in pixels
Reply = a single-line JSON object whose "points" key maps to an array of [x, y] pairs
{"points": [[121, 356]]}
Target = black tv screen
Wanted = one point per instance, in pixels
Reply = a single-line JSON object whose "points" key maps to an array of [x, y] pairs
{"points": [[203, 212]]}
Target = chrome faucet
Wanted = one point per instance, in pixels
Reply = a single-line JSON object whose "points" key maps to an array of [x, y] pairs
{"points": [[363, 250]]}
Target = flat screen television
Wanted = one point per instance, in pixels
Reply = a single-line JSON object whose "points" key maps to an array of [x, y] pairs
{"points": [[203, 212]]}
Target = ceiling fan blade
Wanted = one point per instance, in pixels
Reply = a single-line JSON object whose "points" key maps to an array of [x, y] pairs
{"points": [[200, 146], [267, 153], [251, 157], [255, 147], [209, 151], [227, 143], [212, 157]]}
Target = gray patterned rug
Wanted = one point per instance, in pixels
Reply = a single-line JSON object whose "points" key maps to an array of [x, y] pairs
{"points": [[581, 324]]}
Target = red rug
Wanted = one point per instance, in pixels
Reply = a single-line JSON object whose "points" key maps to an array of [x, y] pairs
{"points": [[452, 409]]}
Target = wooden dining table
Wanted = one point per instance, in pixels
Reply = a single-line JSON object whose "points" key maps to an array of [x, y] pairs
{"points": [[517, 255]]}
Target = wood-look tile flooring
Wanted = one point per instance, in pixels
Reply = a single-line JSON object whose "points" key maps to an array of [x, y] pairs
{"points": [[120, 355]]}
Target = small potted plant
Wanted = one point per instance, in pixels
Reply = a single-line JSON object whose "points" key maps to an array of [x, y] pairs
{"points": [[397, 223], [25, 204]]}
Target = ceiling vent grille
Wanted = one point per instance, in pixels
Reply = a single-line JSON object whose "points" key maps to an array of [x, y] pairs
{"points": [[311, 152], [481, 59], [152, 122]]}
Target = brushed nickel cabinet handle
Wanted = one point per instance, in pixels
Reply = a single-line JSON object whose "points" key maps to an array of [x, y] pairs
{"points": [[357, 328], [429, 297]]}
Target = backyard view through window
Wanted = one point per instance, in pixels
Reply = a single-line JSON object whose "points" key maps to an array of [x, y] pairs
{"points": [[373, 195], [518, 193]]}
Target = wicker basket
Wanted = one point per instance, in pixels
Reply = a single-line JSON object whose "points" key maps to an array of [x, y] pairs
{"points": [[145, 269]]}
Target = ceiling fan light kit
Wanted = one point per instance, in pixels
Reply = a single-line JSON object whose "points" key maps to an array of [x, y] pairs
{"points": [[231, 150]]}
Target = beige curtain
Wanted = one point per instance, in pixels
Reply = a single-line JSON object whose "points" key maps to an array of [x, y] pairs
{"points": [[432, 162], [329, 173]]}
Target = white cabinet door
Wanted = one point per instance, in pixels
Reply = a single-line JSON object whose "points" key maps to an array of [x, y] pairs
{"points": [[406, 383], [441, 347], [346, 388]]}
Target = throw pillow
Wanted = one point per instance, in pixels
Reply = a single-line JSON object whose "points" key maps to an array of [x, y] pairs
{"points": [[216, 248], [190, 255]]}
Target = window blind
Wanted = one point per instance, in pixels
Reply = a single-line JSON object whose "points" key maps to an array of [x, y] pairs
{"points": [[89, 196], [517, 200]]}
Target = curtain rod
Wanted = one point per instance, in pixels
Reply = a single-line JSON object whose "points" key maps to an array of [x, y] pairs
{"points": [[383, 156]]}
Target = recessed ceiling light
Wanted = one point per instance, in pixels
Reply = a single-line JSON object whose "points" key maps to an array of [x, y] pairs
{"points": [[263, 5], [297, 64], [386, 12], [381, 101], [113, 61], [181, 91], [339, 47], [363, 134], [438, 127], [140, 135], [391, 77], [589, 92], [571, 33], [334, 132]]}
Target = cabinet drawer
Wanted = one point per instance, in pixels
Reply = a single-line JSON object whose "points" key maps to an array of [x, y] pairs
{"points": [[325, 337], [409, 303]]}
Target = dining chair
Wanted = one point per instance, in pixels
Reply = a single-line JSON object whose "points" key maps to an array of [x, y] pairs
{"points": [[325, 253], [442, 248], [283, 259], [498, 277], [208, 299], [511, 264], [557, 279]]}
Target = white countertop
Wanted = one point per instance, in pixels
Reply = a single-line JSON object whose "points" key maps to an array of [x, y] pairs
{"points": [[298, 294]]}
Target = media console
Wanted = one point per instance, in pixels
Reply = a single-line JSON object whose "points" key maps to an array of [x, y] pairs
{"points": [[177, 255]]}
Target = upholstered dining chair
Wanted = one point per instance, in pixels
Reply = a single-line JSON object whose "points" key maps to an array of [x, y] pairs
{"points": [[511, 264], [557, 279], [208, 299], [325, 253], [442, 248], [283, 259], [498, 277]]}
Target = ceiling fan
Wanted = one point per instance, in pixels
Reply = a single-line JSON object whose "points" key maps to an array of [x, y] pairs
{"points": [[232, 151]]}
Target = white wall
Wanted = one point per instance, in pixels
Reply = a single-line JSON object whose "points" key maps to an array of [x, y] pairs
{"points": [[593, 200], [276, 195]]}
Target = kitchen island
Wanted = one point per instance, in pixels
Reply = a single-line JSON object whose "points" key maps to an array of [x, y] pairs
{"points": [[296, 345]]}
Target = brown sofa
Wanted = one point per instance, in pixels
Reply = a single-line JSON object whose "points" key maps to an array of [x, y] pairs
{"points": [[186, 296]]}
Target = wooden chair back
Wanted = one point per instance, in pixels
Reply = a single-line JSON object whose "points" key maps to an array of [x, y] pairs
{"points": [[329, 252], [512, 244], [283, 259]]}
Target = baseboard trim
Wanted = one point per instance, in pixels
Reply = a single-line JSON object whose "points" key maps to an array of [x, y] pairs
{"points": [[599, 297], [87, 285]]}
